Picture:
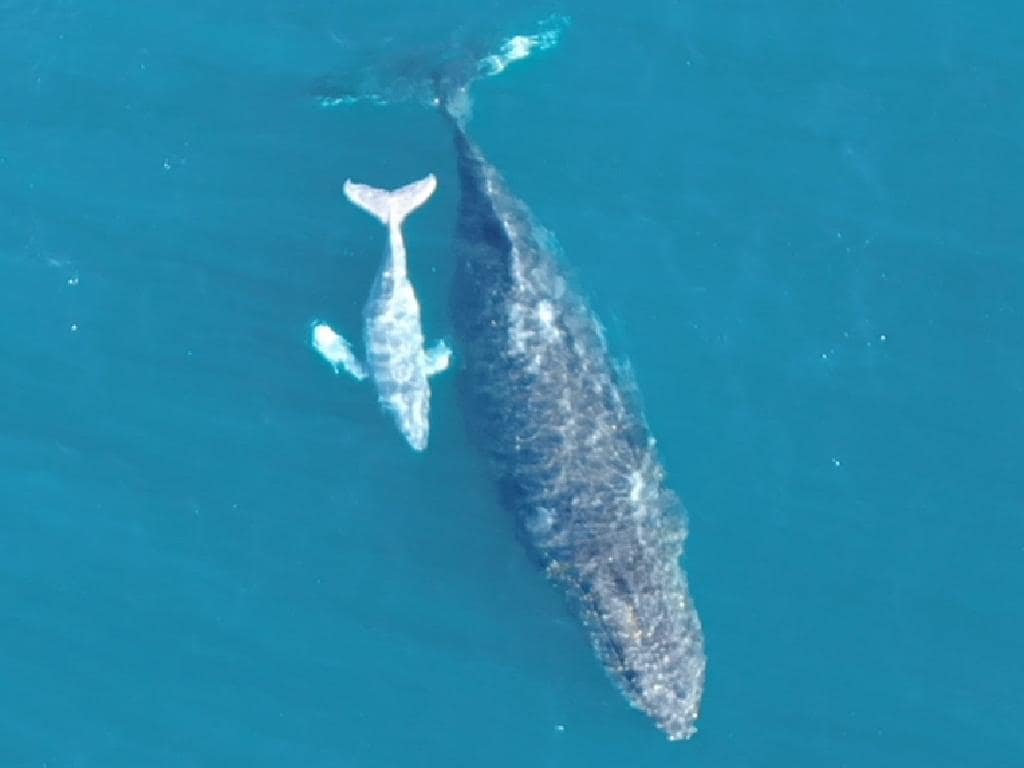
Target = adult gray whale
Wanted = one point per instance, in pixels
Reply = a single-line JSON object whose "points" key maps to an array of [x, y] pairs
{"points": [[392, 333], [573, 453]]}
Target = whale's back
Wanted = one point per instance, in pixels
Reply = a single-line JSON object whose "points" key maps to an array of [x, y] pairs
{"points": [[574, 456]]}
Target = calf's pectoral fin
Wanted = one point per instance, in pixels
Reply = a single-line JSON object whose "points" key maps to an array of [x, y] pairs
{"points": [[438, 357], [337, 351]]}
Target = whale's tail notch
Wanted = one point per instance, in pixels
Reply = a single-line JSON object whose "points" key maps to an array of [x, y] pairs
{"points": [[391, 207]]}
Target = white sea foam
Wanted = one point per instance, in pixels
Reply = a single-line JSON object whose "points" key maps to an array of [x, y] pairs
{"points": [[519, 47], [349, 99]]}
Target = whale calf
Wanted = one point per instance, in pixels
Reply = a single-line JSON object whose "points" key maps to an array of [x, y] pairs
{"points": [[573, 453], [396, 359]]}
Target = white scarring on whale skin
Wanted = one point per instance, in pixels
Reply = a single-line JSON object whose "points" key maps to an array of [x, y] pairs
{"points": [[396, 359]]}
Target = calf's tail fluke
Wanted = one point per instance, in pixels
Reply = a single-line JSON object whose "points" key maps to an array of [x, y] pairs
{"points": [[391, 207]]}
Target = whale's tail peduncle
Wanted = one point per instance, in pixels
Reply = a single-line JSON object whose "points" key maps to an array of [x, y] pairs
{"points": [[391, 207]]}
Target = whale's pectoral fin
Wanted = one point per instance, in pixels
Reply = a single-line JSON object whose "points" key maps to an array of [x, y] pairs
{"points": [[438, 357], [336, 351]]}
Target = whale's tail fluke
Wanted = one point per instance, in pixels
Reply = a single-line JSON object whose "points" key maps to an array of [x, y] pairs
{"points": [[439, 78], [391, 207], [452, 90]]}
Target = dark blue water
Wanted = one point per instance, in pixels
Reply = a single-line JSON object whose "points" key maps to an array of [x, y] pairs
{"points": [[800, 224]]}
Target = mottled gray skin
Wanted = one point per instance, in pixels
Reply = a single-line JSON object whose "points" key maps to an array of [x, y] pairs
{"points": [[574, 455], [393, 338]]}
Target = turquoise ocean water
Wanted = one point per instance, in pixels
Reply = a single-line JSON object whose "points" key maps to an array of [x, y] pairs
{"points": [[800, 223]]}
